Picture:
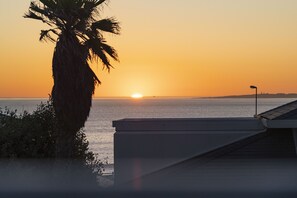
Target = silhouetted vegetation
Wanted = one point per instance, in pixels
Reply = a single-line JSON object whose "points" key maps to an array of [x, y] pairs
{"points": [[33, 136], [78, 33]]}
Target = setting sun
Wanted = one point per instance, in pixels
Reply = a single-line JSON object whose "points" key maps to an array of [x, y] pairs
{"points": [[136, 96]]}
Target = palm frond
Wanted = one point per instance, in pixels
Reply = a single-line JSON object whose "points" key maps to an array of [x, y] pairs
{"points": [[49, 3], [97, 52], [95, 76], [110, 51], [95, 3], [45, 35], [37, 9], [32, 15], [87, 9], [110, 25], [36, 12], [99, 2]]}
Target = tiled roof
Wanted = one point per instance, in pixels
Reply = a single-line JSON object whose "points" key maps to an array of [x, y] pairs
{"points": [[286, 111]]}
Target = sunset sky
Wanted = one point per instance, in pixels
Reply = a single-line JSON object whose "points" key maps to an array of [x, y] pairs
{"points": [[167, 48]]}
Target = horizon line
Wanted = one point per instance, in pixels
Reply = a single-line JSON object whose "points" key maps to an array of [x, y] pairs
{"points": [[151, 97]]}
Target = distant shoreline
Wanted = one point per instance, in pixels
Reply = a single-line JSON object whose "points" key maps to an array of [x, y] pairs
{"points": [[265, 95]]}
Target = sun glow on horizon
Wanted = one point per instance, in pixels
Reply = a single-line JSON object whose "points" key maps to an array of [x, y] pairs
{"points": [[137, 96]]}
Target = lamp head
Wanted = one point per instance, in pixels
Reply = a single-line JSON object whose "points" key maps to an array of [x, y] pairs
{"points": [[253, 87]]}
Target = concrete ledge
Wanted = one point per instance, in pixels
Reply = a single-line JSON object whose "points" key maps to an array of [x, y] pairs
{"points": [[190, 124]]}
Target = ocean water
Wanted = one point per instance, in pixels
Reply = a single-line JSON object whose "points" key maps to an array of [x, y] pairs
{"points": [[99, 128]]}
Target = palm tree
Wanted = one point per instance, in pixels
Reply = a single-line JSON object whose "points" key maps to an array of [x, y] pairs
{"points": [[78, 34]]}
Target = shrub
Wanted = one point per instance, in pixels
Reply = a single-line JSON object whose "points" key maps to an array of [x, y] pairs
{"points": [[33, 136]]}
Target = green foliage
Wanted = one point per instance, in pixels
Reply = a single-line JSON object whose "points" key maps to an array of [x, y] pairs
{"points": [[33, 136]]}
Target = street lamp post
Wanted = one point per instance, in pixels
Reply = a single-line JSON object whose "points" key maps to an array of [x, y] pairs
{"points": [[254, 87]]}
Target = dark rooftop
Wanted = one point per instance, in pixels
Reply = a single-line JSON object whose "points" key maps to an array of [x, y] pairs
{"points": [[286, 111], [264, 163]]}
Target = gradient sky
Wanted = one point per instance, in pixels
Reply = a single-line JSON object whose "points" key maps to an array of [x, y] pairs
{"points": [[167, 48]]}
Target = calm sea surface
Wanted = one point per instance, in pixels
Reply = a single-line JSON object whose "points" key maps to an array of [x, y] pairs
{"points": [[99, 128]]}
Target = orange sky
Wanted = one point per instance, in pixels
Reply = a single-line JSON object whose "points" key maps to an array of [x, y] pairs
{"points": [[167, 48]]}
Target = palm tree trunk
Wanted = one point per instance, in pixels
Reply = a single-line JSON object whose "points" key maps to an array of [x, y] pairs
{"points": [[65, 144], [72, 91]]}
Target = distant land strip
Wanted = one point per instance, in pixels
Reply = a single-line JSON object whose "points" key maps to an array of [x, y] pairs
{"points": [[261, 95]]}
